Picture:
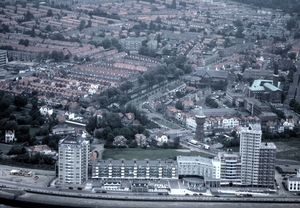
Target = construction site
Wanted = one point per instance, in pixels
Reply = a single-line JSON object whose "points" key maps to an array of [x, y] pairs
{"points": [[40, 178]]}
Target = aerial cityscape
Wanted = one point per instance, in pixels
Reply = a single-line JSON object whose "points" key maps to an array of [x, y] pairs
{"points": [[149, 103]]}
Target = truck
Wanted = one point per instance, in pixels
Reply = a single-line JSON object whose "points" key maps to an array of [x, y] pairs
{"points": [[206, 146], [28, 173], [194, 142], [14, 172]]}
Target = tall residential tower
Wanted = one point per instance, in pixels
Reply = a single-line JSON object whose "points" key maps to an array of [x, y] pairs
{"points": [[250, 139], [73, 155]]}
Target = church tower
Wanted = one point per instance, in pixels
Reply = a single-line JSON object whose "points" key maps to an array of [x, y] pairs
{"points": [[200, 120]]}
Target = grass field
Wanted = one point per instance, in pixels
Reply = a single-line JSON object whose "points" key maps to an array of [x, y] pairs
{"points": [[165, 123], [151, 154], [288, 148]]}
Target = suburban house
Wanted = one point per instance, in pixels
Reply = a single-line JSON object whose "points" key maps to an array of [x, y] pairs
{"points": [[45, 110], [128, 118], [10, 136], [161, 138], [120, 141], [63, 130], [141, 139], [42, 149]]}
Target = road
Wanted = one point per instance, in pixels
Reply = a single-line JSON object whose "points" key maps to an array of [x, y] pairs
{"points": [[198, 149], [4, 148], [294, 87]]}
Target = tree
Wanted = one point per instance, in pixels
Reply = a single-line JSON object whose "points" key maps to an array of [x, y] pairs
{"points": [[113, 120], [210, 102], [112, 92], [178, 72], [16, 149], [11, 125], [106, 43], [291, 24], [123, 99], [23, 134], [57, 36], [81, 25], [179, 105], [28, 16], [292, 55], [126, 86], [98, 134], [6, 101], [89, 23], [49, 13], [90, 127], [160, 78], [176, 143], [152, 26], [181, 3], [57, 56], [107, 130], [103, 101], [32, 32], [48, 28], [187, 68], [173, 4], [20, 101], [149, 77], [292, 103], [141, 80], [239, 33], [115, 43], [24, 42], [126, 132]]}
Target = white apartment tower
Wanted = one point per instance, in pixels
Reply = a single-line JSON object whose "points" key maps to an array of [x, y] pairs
{"points": [[73, 155], [250, 140]]}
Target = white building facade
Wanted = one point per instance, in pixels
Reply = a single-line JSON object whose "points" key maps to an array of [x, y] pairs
{"points": [[73, 155], [200, 166], [293, 184], [250, 140], [230, 168]]}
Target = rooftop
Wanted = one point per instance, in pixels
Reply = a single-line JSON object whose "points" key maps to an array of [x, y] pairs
{"points": [[267, 145]]}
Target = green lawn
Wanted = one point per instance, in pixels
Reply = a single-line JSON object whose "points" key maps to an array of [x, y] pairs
{"points": [[151, 154], [288, 148]]}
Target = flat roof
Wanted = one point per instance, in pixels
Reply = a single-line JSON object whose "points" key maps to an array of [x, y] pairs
{"points": [[197, 159], [267, 145], [134, 162], [261, 84]]}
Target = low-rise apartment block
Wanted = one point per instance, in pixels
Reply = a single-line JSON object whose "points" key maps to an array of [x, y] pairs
{"points": [[134, 169]]}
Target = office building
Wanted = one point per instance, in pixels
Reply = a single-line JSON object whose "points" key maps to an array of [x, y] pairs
{"points": [[250, 140], [73, 155], [266, 90]]}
